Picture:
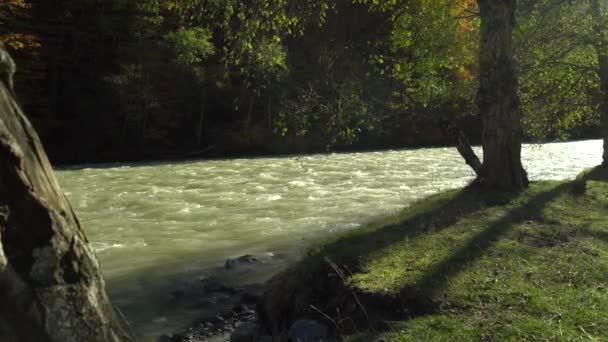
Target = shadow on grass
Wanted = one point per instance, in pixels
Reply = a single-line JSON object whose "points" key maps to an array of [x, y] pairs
{"points": [[322, 282], [438, 277], [596, 234], [292, 294], [598, 173], [433, 215]]}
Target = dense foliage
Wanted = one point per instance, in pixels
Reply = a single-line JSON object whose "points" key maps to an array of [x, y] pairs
{"points": [[153, 78], [558, 68]]}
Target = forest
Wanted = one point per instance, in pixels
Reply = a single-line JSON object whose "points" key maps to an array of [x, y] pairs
{"points": [[150, 79]]}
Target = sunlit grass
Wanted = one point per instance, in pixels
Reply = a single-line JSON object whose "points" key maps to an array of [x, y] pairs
{"points": [[532, 266]]}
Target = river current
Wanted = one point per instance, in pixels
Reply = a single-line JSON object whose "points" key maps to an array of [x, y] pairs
{"points": [[155, 225]]}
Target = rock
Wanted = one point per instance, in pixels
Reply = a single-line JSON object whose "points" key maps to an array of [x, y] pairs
{"points": [[265, 339], [250, 298], [46, 262], [246, 259], [206, 302], [177, 294], [180, 338], [240, 308], [307, 330], [165, 338], [245, 332], [213, 285], [217, 320]]}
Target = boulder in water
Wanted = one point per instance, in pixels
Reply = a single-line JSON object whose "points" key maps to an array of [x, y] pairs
{"points": [[307, 330], [246, 259], [165, 338], [245, 332]]}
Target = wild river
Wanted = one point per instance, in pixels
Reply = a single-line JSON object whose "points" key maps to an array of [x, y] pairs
{"points": [[155, 226]]}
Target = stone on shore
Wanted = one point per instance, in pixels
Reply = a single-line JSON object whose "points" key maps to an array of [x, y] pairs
{"points": [[307, 330], [245, 332]]}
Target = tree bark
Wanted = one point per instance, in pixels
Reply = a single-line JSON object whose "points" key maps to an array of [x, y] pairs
{"points": [[603, 72], [498, 102], [200, 126], [269, 110], [50, 284], [463, 146], [601, 48]]}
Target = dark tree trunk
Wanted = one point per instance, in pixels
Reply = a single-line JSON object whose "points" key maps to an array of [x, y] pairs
{"points": [[603, 71], [269, 110], [498, 101], [249, 119], [51, 289], [601, 47], [200, 126], [464, 147]]}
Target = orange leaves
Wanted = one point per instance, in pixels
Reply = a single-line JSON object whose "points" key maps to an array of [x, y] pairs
{"points": [[15, 8], [15, 4], [21, 41], [465, 73], [19, 11], [467, 29], [466, 11]]}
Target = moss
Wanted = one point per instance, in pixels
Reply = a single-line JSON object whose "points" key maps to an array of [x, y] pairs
{"points": [[495, 266]]}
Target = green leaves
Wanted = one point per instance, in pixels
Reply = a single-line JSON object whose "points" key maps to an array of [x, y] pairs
{"points": [[192, 47], [336, 111], [429, 53], [557, 69]]}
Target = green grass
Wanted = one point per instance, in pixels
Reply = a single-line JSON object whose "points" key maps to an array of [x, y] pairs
{"points": [[531, 266]]}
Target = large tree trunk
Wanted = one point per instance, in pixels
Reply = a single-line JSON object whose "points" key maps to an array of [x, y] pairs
{"points": [[603, 71], [601, 47], [50, 284], [498, 101]]}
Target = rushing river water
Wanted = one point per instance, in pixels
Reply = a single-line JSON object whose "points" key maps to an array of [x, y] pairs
{"points": [[154, 225]]}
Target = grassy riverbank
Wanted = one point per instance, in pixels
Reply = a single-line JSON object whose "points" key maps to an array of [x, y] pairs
{"points": [[464, 265]]}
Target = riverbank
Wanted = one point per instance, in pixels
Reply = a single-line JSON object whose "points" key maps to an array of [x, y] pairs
{"points": [[463, 265]]}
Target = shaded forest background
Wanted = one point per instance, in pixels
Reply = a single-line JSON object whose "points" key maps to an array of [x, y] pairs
{"points": [[116, 80]]}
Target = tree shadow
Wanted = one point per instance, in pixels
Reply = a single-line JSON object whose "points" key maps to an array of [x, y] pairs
{"points": [[598, 174], [432, 215], [596, 234], [423, 297], [437, 278], [292, 294]]}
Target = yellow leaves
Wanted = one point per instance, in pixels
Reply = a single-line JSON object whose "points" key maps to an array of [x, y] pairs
{"points": [[465, 11], [14, 8], [464, 73], [15, 4], [170, 5], [21, 41]]}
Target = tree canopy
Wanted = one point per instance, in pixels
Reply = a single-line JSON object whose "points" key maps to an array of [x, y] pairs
{"points": [[276, 76]]}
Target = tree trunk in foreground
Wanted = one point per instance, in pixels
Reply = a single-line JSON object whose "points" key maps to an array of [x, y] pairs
{"points": [[601, 48], [498, 101], [603, 71], [50, 285]]}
